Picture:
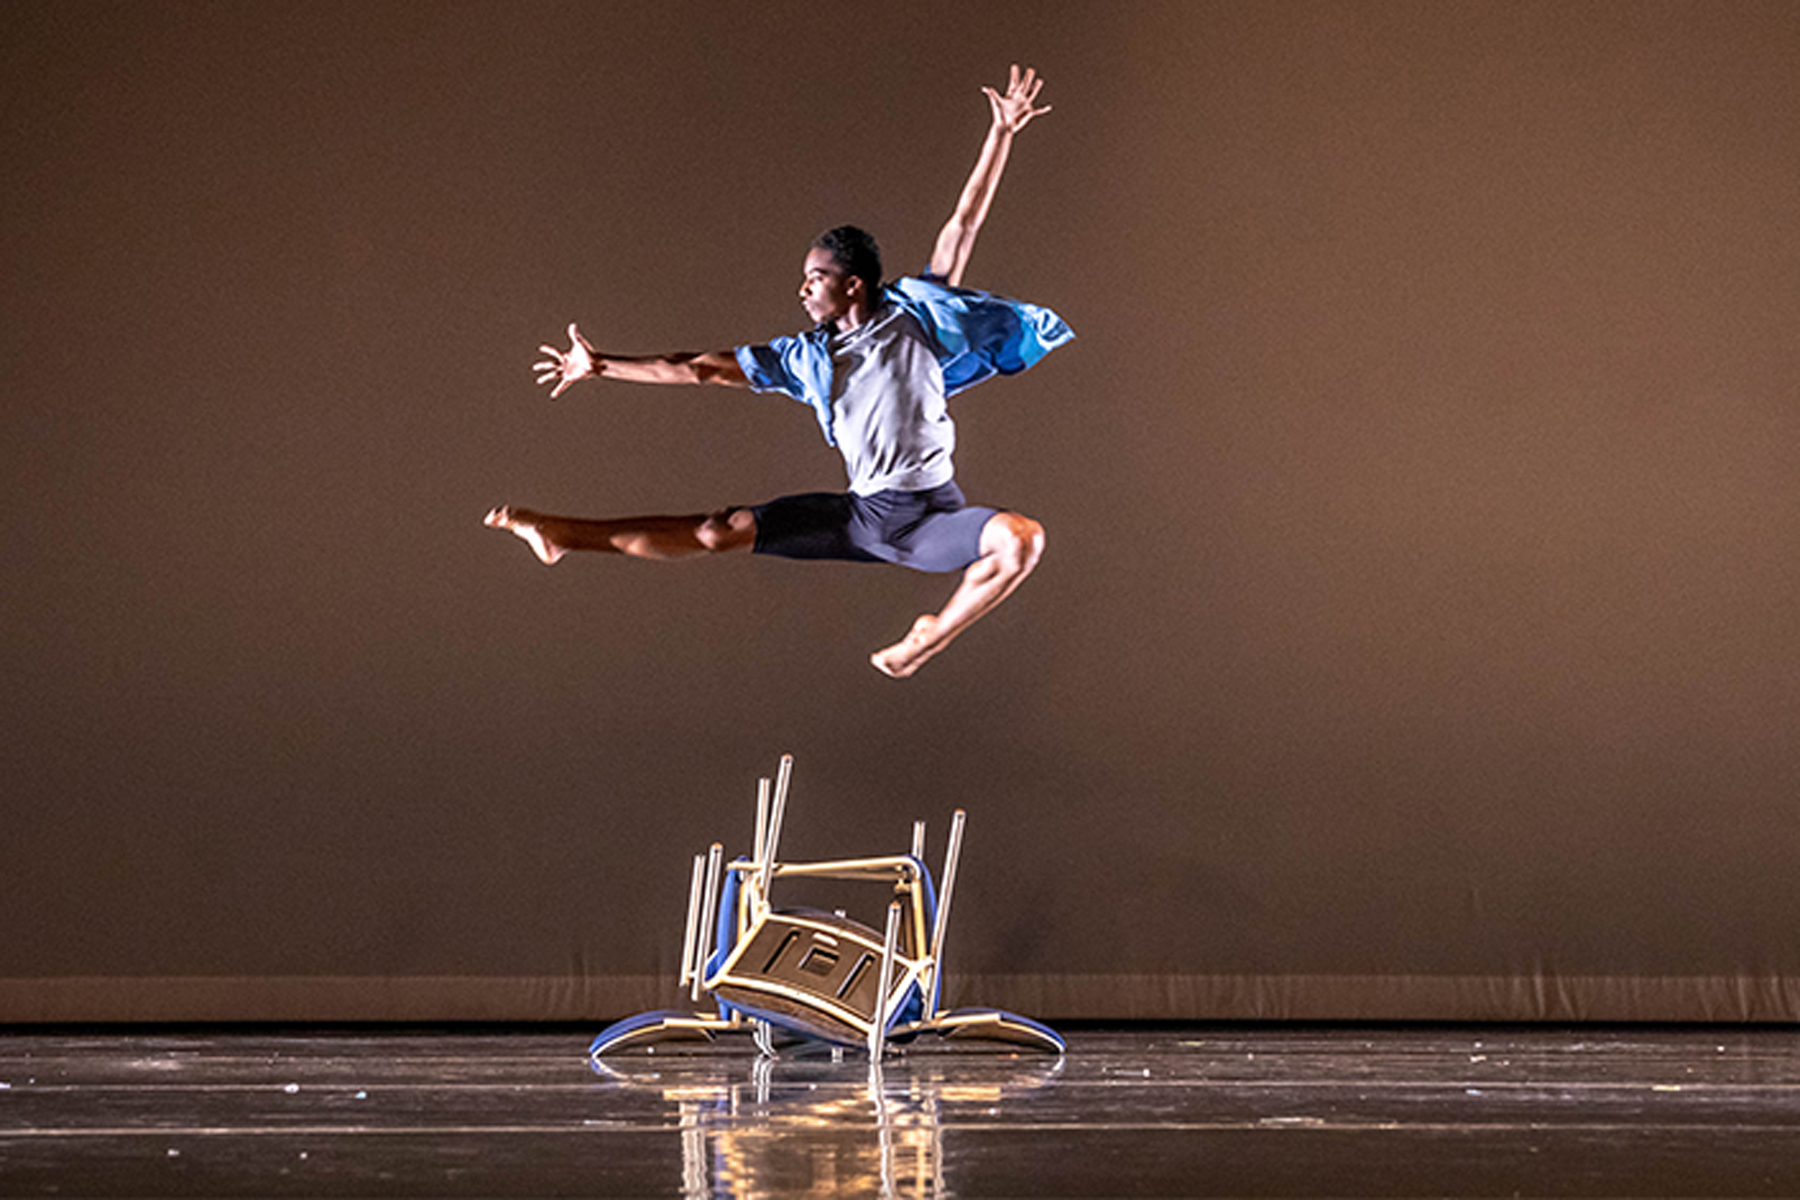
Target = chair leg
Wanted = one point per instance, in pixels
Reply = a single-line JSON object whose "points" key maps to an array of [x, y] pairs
{"points": [[878, 1031]]}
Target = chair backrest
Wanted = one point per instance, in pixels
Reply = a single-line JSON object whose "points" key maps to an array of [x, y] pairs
{"points": [[818, 974]]}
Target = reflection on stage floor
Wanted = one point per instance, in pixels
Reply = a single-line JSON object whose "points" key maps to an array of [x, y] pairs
{"points": [[1190, 1111]]}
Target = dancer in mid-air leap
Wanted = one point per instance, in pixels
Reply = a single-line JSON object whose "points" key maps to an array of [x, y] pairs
{"points": [[875, 370]]}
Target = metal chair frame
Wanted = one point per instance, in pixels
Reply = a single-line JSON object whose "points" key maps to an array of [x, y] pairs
{"points": [[909, 957]]}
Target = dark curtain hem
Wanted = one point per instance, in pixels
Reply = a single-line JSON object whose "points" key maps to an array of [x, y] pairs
{"points": [[1482, 998]]}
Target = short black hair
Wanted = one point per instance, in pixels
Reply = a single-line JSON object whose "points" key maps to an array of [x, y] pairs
{"points": [[854, 252]]}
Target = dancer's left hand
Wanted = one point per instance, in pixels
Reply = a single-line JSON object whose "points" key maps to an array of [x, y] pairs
{"points": [[1013, 111]]}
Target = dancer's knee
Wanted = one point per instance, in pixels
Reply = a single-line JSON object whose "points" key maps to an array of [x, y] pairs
{"points": [[1015, 540], [727, 529]]}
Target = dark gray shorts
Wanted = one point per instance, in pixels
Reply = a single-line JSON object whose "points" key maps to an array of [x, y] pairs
{"points": [[933, 530]]}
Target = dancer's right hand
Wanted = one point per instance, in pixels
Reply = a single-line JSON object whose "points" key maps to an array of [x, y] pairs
{"points": [[563, 368]]}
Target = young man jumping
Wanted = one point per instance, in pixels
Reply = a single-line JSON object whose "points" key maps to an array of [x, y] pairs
{"points": [[876, 370]]}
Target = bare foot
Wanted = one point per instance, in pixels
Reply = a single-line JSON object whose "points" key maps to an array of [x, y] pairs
{"points": [[529, 526], [910, 652]]}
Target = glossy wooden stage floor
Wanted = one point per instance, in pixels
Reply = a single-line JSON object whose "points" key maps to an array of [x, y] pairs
{"points": [[1194, 1111]]}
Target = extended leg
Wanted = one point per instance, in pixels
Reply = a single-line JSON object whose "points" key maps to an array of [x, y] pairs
{"points": [[641, 537], [1010, 547]]}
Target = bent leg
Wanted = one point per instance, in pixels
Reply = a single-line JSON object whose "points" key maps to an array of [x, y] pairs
{"points": [[552, 537], [1011, 545]]}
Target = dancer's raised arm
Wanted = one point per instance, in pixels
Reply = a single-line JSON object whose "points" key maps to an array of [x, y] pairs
{"points": [[581, 361], [1012, 112]]}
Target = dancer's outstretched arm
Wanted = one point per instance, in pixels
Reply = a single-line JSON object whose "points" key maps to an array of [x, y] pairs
{"points": [[581, 361], [1012, 112]]}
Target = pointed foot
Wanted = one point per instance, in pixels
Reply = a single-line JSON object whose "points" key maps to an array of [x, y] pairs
{"points": [[908, 654], [528, 526]]}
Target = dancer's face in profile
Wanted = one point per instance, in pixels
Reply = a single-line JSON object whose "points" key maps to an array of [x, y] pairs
{"points": [[825, 293]]}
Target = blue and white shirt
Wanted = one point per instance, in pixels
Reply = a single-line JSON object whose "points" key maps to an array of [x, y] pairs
{"points": [[885, 397]]}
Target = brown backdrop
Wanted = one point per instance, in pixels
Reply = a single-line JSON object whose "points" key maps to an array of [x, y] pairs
{"points": [[1417, 634]]}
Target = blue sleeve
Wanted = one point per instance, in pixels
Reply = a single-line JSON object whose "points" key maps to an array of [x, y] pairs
{"points": [[797, 367], [770, 368]]}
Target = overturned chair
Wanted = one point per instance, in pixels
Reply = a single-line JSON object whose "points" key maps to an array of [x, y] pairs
{"points": [[815, 975]]}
